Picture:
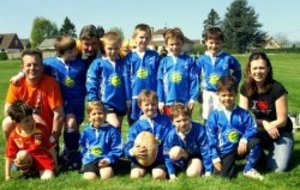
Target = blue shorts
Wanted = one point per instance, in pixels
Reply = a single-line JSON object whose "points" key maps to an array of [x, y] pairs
{"points": [[76, 107]]}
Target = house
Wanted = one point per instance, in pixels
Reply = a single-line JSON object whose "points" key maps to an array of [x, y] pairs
{"points": [[158, 41], [26, 43], [10, 42], [272, 43], [47, 47]]}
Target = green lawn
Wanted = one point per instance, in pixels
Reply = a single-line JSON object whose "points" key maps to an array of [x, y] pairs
{"points": [[286, 70]]}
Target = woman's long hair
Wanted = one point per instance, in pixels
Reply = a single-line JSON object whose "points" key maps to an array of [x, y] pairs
{"points": [[250, 84]]}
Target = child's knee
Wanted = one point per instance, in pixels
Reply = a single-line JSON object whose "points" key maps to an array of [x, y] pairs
{"points": [[47, 174], [89, 176], [71, 123], [175, 153], [137, 173], [106, 173], [194, 168], [158, 174], [23, 158]]}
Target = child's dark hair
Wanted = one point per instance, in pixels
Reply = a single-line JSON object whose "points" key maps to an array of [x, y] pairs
{"points": [[213, 33], [142, 27], [19, 110], [64, 43], [179, 109], [147, 94], [227, 83]]}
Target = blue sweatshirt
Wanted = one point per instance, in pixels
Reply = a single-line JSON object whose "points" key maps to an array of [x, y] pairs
{"points": [[177, 80], [106, 82], [225, 129], [159, 128], [71, 76], [211, 70], [195, 143], [100, 143]]}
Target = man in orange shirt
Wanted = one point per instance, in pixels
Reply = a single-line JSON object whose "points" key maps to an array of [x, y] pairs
{"points": [[38, 90]]}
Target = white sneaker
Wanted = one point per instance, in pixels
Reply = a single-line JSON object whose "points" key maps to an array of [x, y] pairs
{"points": [[254, 174]]}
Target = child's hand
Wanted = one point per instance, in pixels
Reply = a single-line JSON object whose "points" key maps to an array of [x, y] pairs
{"points": [[218, 166], [242, 148], [103, 163], [161, 108], [15, 79]]}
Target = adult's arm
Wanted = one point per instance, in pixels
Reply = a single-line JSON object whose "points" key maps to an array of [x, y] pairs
{"points": [[58, 120]]}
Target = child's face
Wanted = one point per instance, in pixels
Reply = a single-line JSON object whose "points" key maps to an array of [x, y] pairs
{"points": [[182, 123], [70, 55], [175, 46], [112, 50], [27, 123], [213, 45], [149, 107], [227, 98], [97, 116], [142, 39]]}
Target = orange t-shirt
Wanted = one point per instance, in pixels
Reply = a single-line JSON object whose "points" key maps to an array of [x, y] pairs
{"points": [[45, 95]]}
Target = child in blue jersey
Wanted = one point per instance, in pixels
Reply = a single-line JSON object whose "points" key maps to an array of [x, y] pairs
{"points": [[186, 146], [70, 73], [177, 77], [232, 133], [106, 80], [101, 145], [142, 65], [153, 122], [214, 64]]}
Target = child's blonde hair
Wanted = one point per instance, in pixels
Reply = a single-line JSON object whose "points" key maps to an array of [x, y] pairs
{"points": [[142, 27], [93, 105], [174, 33], [179, 109], [111, 37], [64, 43], [145, 95]]}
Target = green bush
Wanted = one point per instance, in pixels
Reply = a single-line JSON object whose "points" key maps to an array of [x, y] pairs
{"points": [[3, 55]]}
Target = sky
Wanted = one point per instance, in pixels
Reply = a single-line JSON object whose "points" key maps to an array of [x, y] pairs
{"points": [[278, 17]]}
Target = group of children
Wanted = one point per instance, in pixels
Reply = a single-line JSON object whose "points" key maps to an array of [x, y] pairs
{"points": [[159, 96]]}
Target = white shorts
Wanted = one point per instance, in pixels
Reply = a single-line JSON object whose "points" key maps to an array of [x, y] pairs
{"points": [[210, 102]]}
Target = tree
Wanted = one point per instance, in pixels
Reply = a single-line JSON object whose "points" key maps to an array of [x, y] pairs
{"points": [[283, 40], [68, 28], [42, 28], [100, 31], [241, 27], [119, 31], [213, 20]]}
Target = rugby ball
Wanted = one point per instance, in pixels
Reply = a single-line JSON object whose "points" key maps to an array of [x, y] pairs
{"points": [[146, 147]]}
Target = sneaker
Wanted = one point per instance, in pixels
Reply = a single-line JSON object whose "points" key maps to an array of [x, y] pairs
{"points": [[254, 174]]}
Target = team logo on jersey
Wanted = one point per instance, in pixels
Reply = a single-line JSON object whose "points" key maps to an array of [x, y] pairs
{"points": [[233, 136], [176, 77], [96, 151], [213, 79], [115, 80], [38, 139], [19, 142], [69, 82], [142, 73], [225, 66]]}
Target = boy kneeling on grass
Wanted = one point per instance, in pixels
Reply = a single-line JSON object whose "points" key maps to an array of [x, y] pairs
{"points": [[231, 133], [30, 146], [100, 143]]}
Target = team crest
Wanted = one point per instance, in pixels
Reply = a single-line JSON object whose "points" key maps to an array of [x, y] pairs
{"points": [[176, 77], [69, 82], [96, 151], [142, 73], [233, 136], [115, 80], [213, 79]]}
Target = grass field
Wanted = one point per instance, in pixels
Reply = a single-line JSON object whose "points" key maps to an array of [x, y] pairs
{"points": [[286, 70]]}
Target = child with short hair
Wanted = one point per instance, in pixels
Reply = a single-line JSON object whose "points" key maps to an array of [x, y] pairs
{"points": [[155, 123], [30, 146], [141, 66], [232, 133], [177, 77], [186, 146], [106, 80], [100, 144], [212, 65]]}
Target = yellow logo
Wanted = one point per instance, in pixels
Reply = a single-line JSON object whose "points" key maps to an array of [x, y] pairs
{"points": [[142, 73], [176, 77], [233, 136], [69, 82], [96, 151], [213, 79], [115, 80]]}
